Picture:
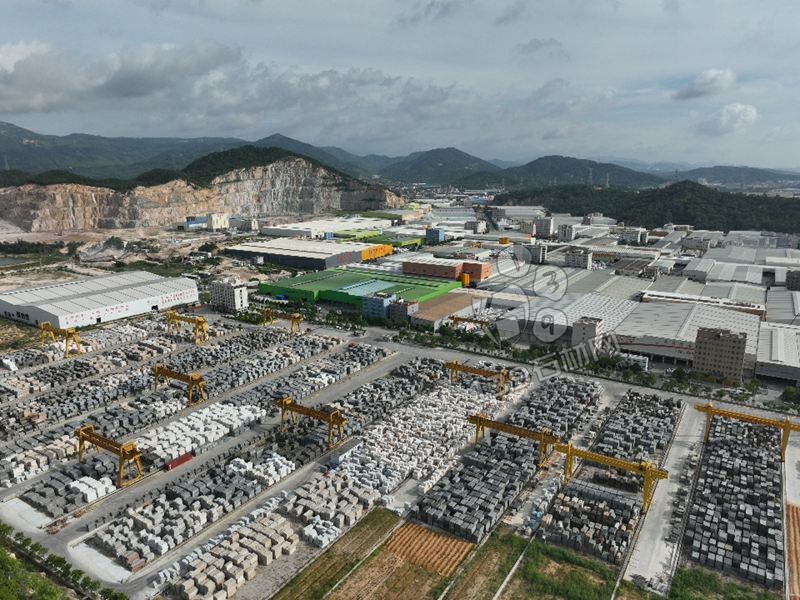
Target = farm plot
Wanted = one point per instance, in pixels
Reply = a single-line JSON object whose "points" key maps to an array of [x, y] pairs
{"points": [[410, 565], [428, 549]]}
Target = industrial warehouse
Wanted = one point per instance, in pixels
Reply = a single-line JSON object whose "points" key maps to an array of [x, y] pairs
{"points": [[310, 254], [97, 300]]}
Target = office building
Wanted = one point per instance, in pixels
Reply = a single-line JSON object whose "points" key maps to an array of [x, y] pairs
{"points": [[720, 352], [229, 295]]}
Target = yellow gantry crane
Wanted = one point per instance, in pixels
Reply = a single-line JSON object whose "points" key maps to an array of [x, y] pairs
{"points": [[785, 426], [48, 331], [174, 321], [270, 315], [333, 419], [546, 440], [192, 380], [651, 473], [126, 453], [502, 376]]}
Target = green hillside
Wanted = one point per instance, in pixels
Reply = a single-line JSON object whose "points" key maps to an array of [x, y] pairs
{"points": [[439, 166], [683, 202], [561, 170], [200, 172]]}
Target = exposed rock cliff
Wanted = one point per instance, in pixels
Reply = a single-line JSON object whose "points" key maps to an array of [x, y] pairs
{"points": [[286, 187]]}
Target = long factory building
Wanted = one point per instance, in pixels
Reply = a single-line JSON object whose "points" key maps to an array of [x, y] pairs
{"points": [[312, 255], [97, 300]]}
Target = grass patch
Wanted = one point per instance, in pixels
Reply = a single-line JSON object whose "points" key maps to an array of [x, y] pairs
{"points": [[165, 269], [696, 583], [552, 572], [18, 581], [484, 572], [319, 577], [14, 336]]}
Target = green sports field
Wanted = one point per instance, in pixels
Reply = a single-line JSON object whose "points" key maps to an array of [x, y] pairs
{"points": [[349, 287]]}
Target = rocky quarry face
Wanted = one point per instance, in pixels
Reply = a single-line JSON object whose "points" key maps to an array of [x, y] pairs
{"points": [[291, 186]]}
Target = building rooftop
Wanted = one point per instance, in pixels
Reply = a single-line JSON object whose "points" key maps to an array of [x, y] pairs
{"points": [[779, 344], [680, 322], [95, 292], [305, 248]]}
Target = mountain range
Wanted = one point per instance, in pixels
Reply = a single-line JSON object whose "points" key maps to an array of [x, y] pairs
{"points": [[126, 158]]}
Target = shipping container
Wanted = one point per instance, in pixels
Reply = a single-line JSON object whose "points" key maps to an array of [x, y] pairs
{"points": [[181, 460]]}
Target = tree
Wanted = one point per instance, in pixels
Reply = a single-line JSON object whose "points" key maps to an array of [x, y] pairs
{"points": [[791, 395], [680, 374]]}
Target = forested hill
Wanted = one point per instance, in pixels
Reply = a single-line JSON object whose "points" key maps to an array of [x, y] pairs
{"points": [[683, 202], [199, 172]]}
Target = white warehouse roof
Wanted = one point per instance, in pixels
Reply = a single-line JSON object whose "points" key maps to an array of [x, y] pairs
{"points": [[679, 323], [779, 351], [97, 299]]}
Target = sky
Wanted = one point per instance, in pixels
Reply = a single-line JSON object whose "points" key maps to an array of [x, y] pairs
{"points": [[711, 81]]}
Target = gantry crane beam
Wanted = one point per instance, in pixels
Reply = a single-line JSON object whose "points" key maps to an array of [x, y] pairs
{"points": [[200, 324], [126, 453], [651, 472], [785, 426], [333, 419], [270, 315], [46, 330], [192, 380], [546, 440], [502, 376]]}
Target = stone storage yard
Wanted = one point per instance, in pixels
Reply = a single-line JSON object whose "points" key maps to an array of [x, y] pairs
{"points": [[26, 457], [470, 499], [325, 506], [193, 433], [735, 521], [639, 429], [156, 526], [598, 511]]}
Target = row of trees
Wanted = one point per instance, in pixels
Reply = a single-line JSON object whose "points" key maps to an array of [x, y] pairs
{"points": [[57, 566], [683, 202]]}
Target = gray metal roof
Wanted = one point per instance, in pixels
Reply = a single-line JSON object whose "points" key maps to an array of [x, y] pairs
{"points": [[779, 344], [86, 294], [681, 321]]}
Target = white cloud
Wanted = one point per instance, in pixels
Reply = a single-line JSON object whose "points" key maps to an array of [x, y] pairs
{"points": [[710, 81], [730, 118], [11, 54]]}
